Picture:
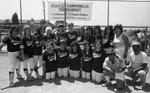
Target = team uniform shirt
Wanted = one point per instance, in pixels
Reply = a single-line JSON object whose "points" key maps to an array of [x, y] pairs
{"points": [[89, 38], [60, 36], [38, 50], [50, 59], [49, 38], [13, 43], [138, 60], [98, 60], [72, 36], [107, 41], [74, 61], [118, 63], [87, 62], [62, 58], [28, 46]]}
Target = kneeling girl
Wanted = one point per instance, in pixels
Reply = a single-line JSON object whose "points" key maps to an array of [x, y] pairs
{"points": [[49, 56]]}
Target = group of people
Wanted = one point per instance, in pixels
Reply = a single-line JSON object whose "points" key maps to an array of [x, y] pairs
{"points": [[88, 53]]}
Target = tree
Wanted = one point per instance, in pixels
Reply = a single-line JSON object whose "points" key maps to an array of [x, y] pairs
{"points": [[15, 20]]}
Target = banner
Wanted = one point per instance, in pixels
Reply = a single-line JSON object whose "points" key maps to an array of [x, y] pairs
{"points": [[75, 11]]}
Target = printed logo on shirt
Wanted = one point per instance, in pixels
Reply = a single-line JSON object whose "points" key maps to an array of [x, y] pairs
{"points": [[95, 55], [73, 56], [62, 54], [29, 43], [15, 42], [51, 58], [87, 58], [37, 42]]}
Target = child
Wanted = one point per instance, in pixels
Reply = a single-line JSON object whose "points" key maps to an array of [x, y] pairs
{"points": [[62, 61], [75, 60], [49, 56], [98, 60], [13, 47], [113, 65], [87, 61], [37, 52], [27, 42]]}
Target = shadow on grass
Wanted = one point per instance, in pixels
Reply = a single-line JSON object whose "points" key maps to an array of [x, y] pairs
{"points": [[126, 89], [24, 83], [137, 84]]}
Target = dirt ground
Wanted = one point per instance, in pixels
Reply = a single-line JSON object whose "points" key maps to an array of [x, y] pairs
{"points": [[62, 85]]}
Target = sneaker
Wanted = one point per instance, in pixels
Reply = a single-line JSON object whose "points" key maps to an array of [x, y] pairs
{"points": [[143, 84], [38, 76], [20, 77], [134, 79], [106, 84], [30, 78], [11, 84]]}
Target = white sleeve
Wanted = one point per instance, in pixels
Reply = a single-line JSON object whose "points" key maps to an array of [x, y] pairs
{"points": [[144, 58]]}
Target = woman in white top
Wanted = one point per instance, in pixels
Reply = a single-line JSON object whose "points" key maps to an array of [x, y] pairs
{"points": [[121, 41]]}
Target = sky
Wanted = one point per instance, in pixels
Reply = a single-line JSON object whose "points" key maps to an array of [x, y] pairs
{"points": [[125, 13]]}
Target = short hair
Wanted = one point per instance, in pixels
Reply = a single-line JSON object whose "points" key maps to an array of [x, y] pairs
{"points": [[14, 28]]}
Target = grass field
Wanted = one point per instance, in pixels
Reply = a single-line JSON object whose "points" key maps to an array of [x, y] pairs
{"points": [[61, 85]]}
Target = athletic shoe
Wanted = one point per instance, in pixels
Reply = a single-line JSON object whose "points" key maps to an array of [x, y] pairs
{"points": [[143, 84], [11, 84], [38, 76], [30, 78], [106, 84], [20, 77], [134, 79]]}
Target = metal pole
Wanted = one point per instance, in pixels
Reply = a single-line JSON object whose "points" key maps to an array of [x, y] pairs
{"points": [[108, 14], [65, 13], [21, 12], [44, 9], [20, 27]]}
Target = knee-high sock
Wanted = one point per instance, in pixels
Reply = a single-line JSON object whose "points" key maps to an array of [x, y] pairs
{"points": [[18, 72], [36, 70], [26, 72], [11, 76]]}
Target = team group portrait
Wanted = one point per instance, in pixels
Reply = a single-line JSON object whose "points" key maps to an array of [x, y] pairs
{"points": [[71, 50]]}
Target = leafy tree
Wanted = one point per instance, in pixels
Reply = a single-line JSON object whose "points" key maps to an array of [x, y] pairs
{"points": [[15, 20]]}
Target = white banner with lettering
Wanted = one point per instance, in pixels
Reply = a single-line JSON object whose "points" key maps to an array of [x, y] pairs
{"points": [[75, 11]]}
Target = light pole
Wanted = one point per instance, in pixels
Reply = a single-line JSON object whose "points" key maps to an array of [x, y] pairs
{"points": [[108, 14], [21, 12], [65, 13], [44, 9]]}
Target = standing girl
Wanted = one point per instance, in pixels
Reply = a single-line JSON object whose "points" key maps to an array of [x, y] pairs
{"points": [[27, 42], [108, 36], [87, 61], [37, 52], [98, 59], [75, 60], [13, 47]]}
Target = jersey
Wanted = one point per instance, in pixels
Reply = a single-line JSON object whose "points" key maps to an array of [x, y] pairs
{"points": [[87, 62], [13, 43], [74, 61], [62, 58], [28, 46], [98, 60], [50, 59], [38, 49]]}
